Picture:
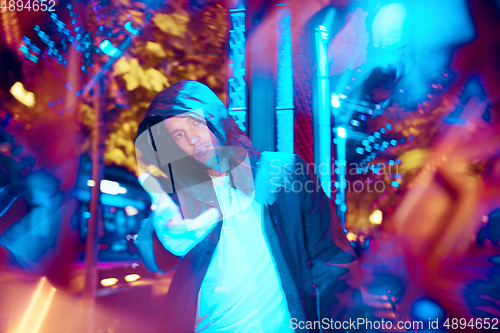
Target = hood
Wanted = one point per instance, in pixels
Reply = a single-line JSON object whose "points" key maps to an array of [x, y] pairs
{"points": [[158, 155], [197, 98]]}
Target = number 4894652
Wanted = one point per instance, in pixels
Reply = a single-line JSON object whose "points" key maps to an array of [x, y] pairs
{"points": [[36, 5], [475, 323]]}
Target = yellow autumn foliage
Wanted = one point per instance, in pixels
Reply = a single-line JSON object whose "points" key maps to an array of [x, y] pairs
{"points": [[174, 24], [156, 49], [176, 45], [412, 160], [116, 155], [135, 76], [156, 79]]}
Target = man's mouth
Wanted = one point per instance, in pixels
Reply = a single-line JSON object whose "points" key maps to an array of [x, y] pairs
{"points": [[203, 150]]}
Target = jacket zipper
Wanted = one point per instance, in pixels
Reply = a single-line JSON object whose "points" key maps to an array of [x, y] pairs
{"points": [[318, 312]]}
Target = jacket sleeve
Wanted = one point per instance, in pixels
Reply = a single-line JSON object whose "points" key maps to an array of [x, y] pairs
{"points": [[153, 255], [333, 264]]}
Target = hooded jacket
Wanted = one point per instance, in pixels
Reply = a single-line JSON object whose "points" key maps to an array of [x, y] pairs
{"points": [[315, 262]]}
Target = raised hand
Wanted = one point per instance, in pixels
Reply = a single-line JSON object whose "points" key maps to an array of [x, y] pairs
{"points": [[177, 234]]}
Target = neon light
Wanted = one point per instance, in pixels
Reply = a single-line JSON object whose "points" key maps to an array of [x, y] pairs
{"points": [[376, 217], [132, 277], [321, 108], [109, 282], [32, 304], [351, 237], [237, 86], [341, 132], [22, 95], [284, 83], [109, 49], [112, 188], [131, 29], [44, 311], [131, 211], [29, 315], [335, 101], [27, 54]]}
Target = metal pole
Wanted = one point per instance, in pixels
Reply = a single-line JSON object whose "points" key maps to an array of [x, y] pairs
{"points": [[322, 113], [98, 137], [90, 288]]}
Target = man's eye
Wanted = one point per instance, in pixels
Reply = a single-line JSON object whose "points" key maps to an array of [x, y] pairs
{"points": [[199, 122], [178, 135]]}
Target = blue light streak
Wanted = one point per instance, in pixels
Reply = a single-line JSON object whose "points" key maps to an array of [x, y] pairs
{"points": [[109, 49], [335, 101], [131, 29], [341, 132]]}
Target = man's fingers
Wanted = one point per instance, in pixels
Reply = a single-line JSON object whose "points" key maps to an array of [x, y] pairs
{"points": [[208, 218], [166, 202], [175, 222], [166, 209], [176, 225]]}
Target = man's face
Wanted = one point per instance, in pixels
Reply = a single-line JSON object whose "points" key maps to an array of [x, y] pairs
{"points": [[195, 138]]}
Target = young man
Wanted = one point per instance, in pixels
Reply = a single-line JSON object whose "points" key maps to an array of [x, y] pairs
{"points": [[250, 233]]}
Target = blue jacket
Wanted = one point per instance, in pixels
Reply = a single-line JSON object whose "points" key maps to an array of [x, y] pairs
{"points": [[315, 262]]}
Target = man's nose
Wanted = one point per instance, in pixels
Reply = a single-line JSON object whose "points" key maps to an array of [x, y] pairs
{"points": [[193, 138]]}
